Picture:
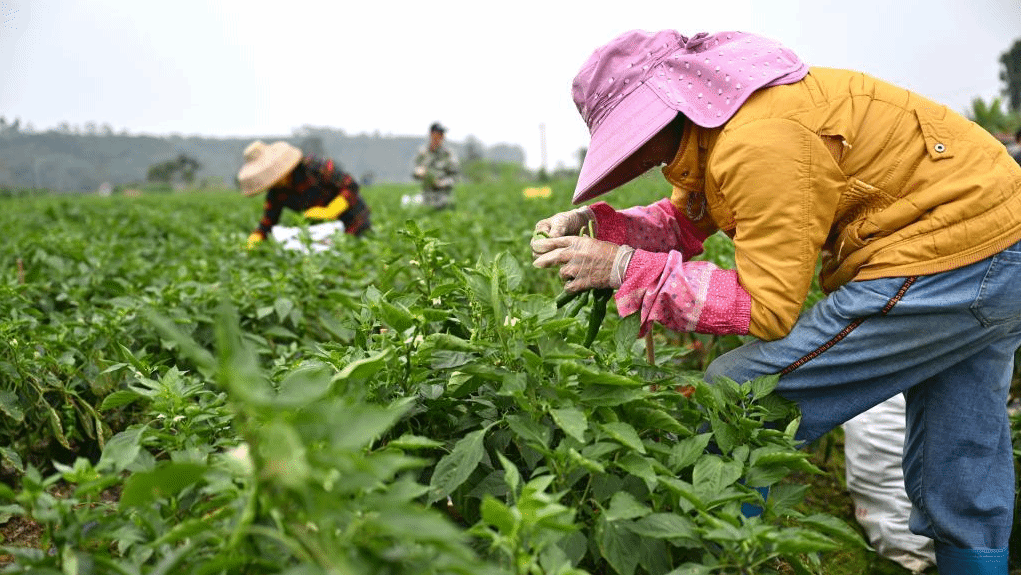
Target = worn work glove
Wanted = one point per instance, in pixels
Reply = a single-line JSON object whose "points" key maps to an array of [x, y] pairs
{"points": [[253, 240], [585, 263], [328, 212]]}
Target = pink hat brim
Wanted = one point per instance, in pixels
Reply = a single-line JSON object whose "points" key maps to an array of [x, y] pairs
{"points": [[627, 128]]}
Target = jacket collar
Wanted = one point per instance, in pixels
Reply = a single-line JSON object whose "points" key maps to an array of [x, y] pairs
{"points": [[687, 169]]}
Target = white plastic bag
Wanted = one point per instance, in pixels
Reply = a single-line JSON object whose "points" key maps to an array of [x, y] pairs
{"points": [[321, 236], [873, 449]]}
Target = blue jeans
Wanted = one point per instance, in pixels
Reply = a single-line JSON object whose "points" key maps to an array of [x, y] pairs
{"points": [[946, 341]]}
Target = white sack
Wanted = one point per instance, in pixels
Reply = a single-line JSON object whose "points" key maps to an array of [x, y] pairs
{"points": [[321, 236]]}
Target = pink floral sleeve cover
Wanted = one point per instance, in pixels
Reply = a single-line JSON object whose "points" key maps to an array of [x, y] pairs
{"points": [[682, 295]]}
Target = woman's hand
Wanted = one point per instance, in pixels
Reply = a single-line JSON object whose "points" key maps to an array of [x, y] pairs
{"points": [[585, 263], [569, 223]]}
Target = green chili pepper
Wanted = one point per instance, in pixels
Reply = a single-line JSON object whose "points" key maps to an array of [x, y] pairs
{"points": [[565, 297], [600, 298], [578, 303]]}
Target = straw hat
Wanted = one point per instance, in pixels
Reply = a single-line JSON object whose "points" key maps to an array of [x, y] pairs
{"points": [[266, 164]]}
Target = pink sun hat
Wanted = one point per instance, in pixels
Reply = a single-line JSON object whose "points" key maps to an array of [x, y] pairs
{"points": [[631, 88]]}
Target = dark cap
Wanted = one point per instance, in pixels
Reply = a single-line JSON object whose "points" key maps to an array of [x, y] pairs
{"points": [[437, 127]]}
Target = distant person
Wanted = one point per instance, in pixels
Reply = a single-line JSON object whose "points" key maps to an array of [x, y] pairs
{"points": [[307, 184], [436, 167], [912, 212]]}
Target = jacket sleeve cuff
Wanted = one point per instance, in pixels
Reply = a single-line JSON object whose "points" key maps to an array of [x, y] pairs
{"points": [[643, 272]]}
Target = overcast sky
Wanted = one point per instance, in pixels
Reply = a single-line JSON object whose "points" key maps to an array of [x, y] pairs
{"points": [[488, 69]]}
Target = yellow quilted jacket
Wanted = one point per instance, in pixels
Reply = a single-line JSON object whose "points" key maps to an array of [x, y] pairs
{"points": [[841, 169]]}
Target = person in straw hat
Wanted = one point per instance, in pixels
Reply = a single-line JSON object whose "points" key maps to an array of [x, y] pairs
{"points": [[913, 212], [307, 184]]}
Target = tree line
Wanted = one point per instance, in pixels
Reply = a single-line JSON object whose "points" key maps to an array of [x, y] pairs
{"points": [[64, 160]]}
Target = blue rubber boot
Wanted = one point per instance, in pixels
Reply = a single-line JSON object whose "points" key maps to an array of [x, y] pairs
{"points": [[956, 561]]}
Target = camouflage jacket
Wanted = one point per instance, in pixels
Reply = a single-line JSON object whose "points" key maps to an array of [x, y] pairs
{"points": [[435, 168]]}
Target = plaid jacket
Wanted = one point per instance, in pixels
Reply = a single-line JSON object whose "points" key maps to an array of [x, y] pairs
{"points": [[315, 182]]}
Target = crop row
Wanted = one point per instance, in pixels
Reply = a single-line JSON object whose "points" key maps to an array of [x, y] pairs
{"points": [[412, 402]]}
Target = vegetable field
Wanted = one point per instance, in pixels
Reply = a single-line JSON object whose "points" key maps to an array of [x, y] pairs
{"points": [[412, 402]]}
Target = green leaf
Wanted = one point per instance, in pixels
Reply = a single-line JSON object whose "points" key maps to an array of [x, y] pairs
{"points": [[626, 334], [792, 427], [640, 467], [57, 427], [362, 369], [588, 464], [450, 342], [692, 569], [623, 505], [395, 316], [144, 488], [119, 398], [283, 307], [725, 434], [495, 296], [460, 384], [776, 457], [623, 433], [411, 442], [500, 516], [654, 556], [189, 348], [589, 376], [279, 332], [533, 432], [514, 384], [608, 395], [304, 385], [132, 359], [730, 391], [114, 367], [13, 458], [686, 451], [659, 420], [121, 450], [836, 528], [511, 476], [455, 467], [510, 269], [447, 359], [707, 396], [9, 405], [572, 421], [712, 474], [764, 385], [617, 544], [785, 497], [283, 455], [664, 526], [793, 541], [761, 476], [365, 423]]}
